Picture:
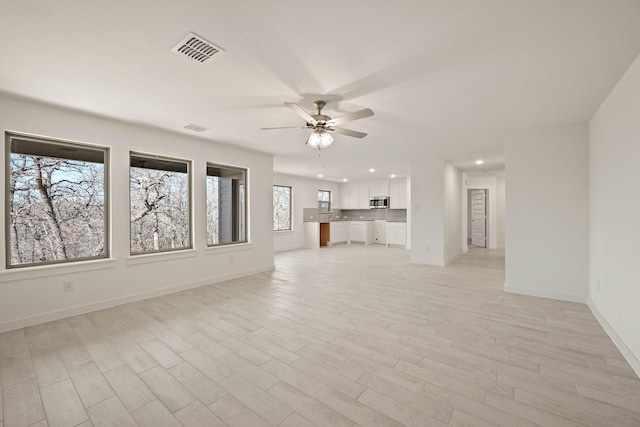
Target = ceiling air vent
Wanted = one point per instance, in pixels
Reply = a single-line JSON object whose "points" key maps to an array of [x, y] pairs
{"points": [[196, 48], [196, 128]]}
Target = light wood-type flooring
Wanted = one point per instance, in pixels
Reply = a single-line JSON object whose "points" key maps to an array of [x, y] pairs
{"points": [[348, 335]]}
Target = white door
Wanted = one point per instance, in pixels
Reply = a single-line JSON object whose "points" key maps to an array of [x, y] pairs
{"points": [[478, 218]]}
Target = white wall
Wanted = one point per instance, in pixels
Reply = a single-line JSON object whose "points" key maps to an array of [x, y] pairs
{"points": [[305, 195], [614, 176], [33, 295], [453, 213], [547, 222], [427, 212], [501, 210]]}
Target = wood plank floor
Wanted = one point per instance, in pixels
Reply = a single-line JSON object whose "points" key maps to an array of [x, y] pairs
{"points": [[348, 335]]}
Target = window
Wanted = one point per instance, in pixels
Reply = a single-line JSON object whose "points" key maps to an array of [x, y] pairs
{"points": [[226, 205], [160, 204], [56, 201], [281, 208], [324, 201]]}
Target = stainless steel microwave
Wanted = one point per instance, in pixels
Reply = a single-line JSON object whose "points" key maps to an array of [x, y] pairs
{"points": [[379, 203]]}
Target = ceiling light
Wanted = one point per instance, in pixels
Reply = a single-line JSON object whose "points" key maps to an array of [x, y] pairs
{"points": [[319, 139], [344, 179], [479, 162], [319, 175], [392, 176], [372, 170]]}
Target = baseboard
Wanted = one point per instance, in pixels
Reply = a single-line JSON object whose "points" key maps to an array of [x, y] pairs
{"points": [[24, 322], [633, 360], [288, 249], [453, 258], [545, 294]]}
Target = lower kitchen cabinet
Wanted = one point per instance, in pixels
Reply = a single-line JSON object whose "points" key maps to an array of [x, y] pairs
{"points": [[361, 231], [338, 232], [397, 234]]}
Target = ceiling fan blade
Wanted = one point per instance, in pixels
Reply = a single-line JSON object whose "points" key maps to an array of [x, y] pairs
{"points": [[285, 127], [350, 117], [348, 132], [300, 111]]}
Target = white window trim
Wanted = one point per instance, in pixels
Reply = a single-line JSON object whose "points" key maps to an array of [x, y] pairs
{"points": [[48, 270]]}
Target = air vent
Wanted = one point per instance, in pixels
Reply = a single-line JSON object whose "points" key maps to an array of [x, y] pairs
{"points": [[196, 48], [196, 128]]}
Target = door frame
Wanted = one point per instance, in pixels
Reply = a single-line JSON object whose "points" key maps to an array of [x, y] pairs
{"points": [[489, 216], [470, 211]]}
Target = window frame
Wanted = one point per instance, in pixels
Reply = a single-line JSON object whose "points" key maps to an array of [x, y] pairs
{"points": [[290, 208], [189, 166], [245, 211], [320, 209], [106, 187]]}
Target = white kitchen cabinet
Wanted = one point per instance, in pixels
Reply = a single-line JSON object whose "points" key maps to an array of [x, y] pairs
{"points": [[379, 188], [353, 196], [380, 231], [398, 193], [363, 196], [311, 234], [338, 232], [344, 196], [361, 231], [397, 233]]}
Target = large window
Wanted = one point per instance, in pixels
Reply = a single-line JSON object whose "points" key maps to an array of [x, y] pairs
{"points": [[281, 208], [160, 204], [226, 205], [56, 201], [324, 201]]}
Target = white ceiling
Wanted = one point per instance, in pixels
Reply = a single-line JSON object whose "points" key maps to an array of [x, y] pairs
{"points": [[447, 78]]}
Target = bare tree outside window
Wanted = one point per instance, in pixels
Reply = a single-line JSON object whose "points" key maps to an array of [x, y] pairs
{"points": [[56, 201], [160, 204], [324, 201], [281, 208], [226, 195]]}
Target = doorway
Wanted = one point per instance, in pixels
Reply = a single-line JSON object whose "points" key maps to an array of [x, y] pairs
{"points": [[477, 218]]}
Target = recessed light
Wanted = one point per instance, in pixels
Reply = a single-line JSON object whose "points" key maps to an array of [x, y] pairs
{"points": [[372, 170], [392, 175], [319, 175], [479, 162], [344, 179]]}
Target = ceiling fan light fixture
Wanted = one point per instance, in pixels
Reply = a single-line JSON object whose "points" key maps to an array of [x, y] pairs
{"points": [[319, 139]]}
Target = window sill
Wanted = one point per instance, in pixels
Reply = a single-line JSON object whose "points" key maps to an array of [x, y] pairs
{"points": [[160, 256], [228, 248], [282, 232], [34, 272]]}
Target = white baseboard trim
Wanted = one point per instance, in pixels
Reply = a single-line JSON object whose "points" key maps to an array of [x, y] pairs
{"points": [[453, 258], [633, 360], [545, 294], [24, 322], [287, 249]]}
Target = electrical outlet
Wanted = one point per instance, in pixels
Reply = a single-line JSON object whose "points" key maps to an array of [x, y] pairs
{"points": [[67, 286], [426, 248]]}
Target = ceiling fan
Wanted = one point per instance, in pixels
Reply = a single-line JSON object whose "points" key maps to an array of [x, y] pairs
{"points": [[321, 124]]}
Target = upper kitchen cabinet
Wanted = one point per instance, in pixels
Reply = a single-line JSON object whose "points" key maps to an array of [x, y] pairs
{"points": [[363, 196], [398, 193], [354, 196], [379, 188]]}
